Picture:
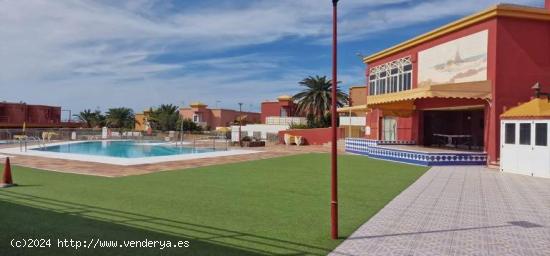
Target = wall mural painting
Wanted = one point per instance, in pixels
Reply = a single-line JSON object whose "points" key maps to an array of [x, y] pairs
{"points": [[458, 61]]}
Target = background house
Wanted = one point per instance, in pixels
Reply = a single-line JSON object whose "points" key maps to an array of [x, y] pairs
{"points": [[280, 112], [276, 116], [142, 120], [353, 118], [217, 117], [13, 115]]}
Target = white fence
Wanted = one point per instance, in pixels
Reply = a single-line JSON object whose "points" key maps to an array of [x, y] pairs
{"points": [[353, 121], [258, 131], [277, 120]]}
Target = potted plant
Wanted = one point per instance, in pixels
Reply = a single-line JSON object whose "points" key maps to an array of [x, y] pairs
{"points": [[257, 143], [246, 141]]}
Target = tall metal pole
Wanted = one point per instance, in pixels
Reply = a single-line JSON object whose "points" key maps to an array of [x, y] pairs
{"points": [[181, 124], [334, 180], [240, 122]]}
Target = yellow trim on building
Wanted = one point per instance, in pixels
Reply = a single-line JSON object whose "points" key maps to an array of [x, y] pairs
{"points": [[197, 104], [401, 108], [469, 90], [359, 108], [535, 108], [284, 97], [501, 10]]}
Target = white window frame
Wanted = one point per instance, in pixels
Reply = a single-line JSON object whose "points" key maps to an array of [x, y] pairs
{"points": [[375, 86]]}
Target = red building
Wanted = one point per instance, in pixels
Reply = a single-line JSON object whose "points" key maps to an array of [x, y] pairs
{"points": [[283, 107], [13, 115], [455, 81], [212, 118]]}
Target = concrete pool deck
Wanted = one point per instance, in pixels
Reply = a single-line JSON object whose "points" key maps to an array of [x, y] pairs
{"points": [[110, 170], [460, 211]]}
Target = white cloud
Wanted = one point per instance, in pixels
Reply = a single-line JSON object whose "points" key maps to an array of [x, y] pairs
{"points": [[89, 53]]}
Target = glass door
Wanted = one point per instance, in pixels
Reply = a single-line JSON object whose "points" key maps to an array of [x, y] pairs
{"points": [[389, 128]]}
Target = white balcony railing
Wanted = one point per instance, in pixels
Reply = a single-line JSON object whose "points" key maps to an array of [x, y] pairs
{"points": [[277, 120], [202, 124], [353, 121]]}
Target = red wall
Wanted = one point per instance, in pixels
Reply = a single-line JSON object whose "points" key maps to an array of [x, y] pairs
{"points": [[273, 108], [270, 109], [317, 136], [523, 58], [222, 117], [373, 121], [14, 114]]}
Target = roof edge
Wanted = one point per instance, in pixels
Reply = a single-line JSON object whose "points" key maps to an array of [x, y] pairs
{"points": [[500, 10]]}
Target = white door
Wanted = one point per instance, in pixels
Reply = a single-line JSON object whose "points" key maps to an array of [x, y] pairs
{"points": [[540, 158], [524, 154], [508, 148], [390, 128]]}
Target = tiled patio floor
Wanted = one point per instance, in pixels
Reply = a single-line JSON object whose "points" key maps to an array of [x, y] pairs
{"points": [[108, 170], [460, 211]]}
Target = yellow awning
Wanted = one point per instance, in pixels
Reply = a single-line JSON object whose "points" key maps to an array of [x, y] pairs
{"points": [[358, 108], [470, 90], [401, 108], [223, 129], [535, 108]]}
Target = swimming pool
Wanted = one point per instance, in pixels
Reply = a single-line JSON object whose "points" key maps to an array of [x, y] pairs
{"points": [[124, 149], [123, 152]]}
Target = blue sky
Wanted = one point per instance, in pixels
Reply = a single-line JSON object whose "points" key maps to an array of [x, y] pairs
{"points": [[141, 53]]}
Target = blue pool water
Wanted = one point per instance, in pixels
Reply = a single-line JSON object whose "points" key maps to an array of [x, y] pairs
{"points": [[123, 149]]}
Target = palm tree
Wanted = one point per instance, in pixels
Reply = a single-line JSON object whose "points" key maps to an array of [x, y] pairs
{"points": [[121, 118], [91, 119], [165, 118], [98, 119], [188, 125], [315, 99], [86, 117]]}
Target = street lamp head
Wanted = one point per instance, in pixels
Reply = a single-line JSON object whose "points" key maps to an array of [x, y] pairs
{"points": [[334, 2], [536, 87]]}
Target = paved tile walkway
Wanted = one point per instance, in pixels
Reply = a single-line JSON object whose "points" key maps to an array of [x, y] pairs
{"points": [[460, 211]]}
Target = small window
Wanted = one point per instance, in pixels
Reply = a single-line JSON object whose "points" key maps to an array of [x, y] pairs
{"points": [[371, 89], [283, 112], [407, 81], [510, 133], [525, 134], [257, 135], [541, 134]]}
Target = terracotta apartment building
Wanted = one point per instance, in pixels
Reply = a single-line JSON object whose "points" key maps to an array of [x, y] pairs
{"points": [[13, 115], [216, 117]]}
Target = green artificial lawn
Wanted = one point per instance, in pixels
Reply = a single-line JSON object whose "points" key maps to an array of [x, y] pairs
{"points": [[273, 206]]}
